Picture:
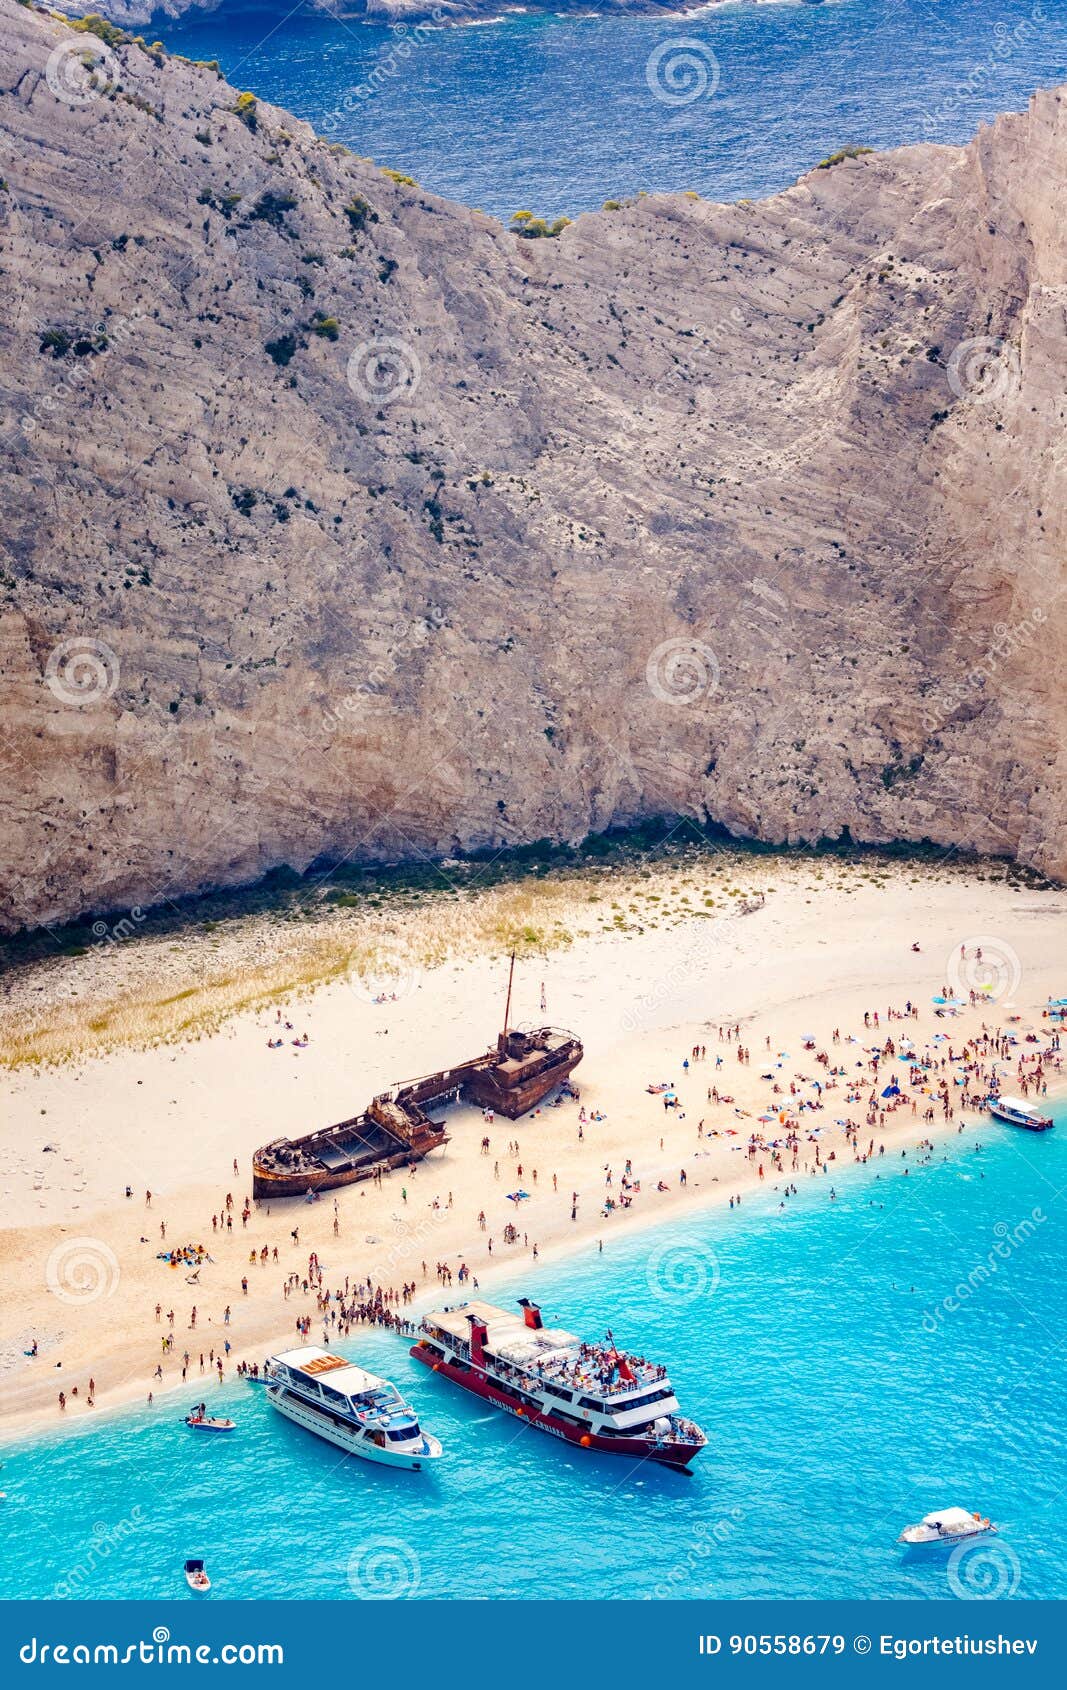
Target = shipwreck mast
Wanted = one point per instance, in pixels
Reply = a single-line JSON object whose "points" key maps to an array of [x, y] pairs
{"points": [[502, 1041]]}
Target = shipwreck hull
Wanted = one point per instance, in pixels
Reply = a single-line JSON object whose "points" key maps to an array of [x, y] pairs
{"points": [[266, 1183], [395, 1129], [387, 1136], [490, 1091]]}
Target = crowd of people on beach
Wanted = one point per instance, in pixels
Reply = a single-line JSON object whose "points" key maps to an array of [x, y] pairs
{"points": [[839, 1100]]}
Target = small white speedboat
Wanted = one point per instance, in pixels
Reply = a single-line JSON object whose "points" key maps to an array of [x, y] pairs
{"points": [[948, 1525], [209, 1423], [196, 1577]]}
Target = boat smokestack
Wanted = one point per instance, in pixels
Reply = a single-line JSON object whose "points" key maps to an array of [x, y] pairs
{"points": [[479, 1333], [531, 1314]]}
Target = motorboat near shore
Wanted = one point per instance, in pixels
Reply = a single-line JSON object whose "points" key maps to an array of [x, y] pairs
{"points": [[396, 1129], [360, 1413], [948, 1525], [592, 1395], [1018, 1113], [201, 1421]]}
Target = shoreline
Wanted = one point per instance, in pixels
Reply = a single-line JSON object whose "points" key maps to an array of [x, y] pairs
{"points": [[176, 1117], [25, 1428]]}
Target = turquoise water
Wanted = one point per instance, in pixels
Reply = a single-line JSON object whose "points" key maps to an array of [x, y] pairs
{"points": [[841, 1398], [556, 114]]}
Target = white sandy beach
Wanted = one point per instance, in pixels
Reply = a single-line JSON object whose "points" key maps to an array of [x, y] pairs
{"points": [[81, 1274]]}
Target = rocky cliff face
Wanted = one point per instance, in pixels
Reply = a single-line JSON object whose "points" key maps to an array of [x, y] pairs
{"points": [[337, 521]]}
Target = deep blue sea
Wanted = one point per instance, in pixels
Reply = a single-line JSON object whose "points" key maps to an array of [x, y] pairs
{"points": [[855, 1363], [556, 114]]}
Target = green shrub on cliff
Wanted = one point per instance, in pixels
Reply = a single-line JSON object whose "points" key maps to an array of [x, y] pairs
{"points": [[533, 228], [839, 158], [282, 349], [360, 213], [93, 24], [271, 208]]}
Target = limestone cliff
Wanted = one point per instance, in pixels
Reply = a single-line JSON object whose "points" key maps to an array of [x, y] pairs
{"points": [[337, 520]]}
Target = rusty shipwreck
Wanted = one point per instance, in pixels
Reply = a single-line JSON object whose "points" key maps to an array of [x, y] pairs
{"points": [[397, 1129]]}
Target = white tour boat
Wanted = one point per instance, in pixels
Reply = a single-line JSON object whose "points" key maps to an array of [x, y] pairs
{"points": [[948, 1525], [1018, 1113], [355, 1410]]}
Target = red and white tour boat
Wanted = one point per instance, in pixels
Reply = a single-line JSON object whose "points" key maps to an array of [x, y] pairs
{"points": [[590, 1394]]}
